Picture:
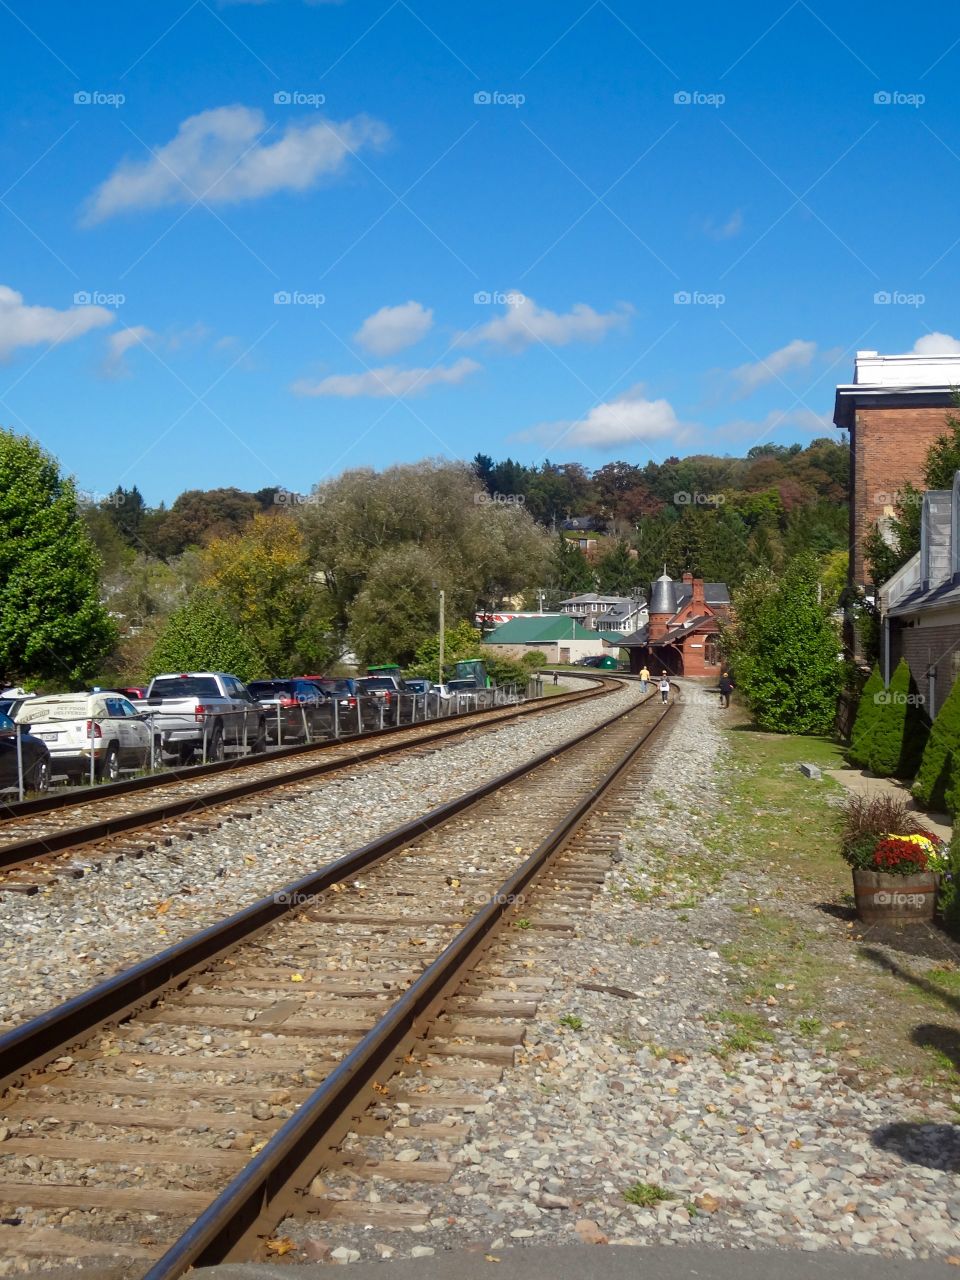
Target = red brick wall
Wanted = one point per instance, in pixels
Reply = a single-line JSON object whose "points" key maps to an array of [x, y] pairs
{"points": [[888, 450]]}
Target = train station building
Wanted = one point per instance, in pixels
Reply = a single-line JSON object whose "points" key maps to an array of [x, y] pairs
{"points": [[682, 635]]}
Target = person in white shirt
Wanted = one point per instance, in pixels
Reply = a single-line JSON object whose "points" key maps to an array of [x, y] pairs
{"points": [[664, 687]]}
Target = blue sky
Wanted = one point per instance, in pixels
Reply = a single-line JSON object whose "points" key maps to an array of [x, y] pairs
{"points": [[323, 235]]}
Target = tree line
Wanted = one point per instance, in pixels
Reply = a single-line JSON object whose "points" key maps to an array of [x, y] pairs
{"points": [[273, 582]]}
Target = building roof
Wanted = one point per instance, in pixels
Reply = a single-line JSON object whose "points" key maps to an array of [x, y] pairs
{"points": [[895, 380], [546, 628], [591, 597], [663, 595]]}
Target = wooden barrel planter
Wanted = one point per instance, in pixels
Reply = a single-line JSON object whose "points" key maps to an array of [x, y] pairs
{"points": [[883, 898]]}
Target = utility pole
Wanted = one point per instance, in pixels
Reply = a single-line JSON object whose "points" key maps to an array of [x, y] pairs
{"points": [[540, 595], [442, 623]]}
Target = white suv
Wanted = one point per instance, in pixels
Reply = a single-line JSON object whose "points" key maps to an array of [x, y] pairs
{"points": [[74, 724]]}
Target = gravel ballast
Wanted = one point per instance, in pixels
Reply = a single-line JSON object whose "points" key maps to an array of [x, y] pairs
{"points": [[775, 1145], [79, 931]]}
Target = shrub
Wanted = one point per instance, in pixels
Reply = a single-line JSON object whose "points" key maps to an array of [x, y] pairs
{"points": [[868, 712], [786, 655], [948, 901], [936, 773], [894, 743]]}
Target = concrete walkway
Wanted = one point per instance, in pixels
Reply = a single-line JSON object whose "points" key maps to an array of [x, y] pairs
{"points": [[863, 783], [596, 1262]]}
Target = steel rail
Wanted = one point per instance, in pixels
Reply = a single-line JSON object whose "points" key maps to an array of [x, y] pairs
{"points": [[29, 849], [69, 798], [255, 1200], [42, 1038]]}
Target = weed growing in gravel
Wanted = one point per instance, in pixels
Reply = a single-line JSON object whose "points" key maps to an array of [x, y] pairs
{"points": [[749, 1031], [809, 1026], [572, 1021], [523, 923], [647, 1194]]}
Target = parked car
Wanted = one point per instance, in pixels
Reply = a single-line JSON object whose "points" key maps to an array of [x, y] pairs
{"points": [[74, 725], [417, 685], [204, 709], [296, 709], [11, 700], [34, 755], [390, 690], [347, 693]]}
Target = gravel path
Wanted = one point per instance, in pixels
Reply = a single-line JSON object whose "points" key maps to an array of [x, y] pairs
{"points": [[63, 940], [774, 1146]]}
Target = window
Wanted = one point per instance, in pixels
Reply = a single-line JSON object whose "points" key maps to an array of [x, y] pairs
{"points": [[711, 652], [114, 708]]}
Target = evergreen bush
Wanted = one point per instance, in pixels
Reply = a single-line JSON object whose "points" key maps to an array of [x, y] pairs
{"points": [[868, 712], [937, 767], [894, 744]]}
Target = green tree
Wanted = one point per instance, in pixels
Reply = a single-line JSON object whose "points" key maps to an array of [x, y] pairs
{"points": [[868, 713], [398, 606], [262, 577], [896, 742], [459, 643], [786, 661], [933, 783], [201, 636], [52, 623]]}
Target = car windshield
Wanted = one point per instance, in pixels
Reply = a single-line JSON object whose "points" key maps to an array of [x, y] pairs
{"points": [[377, 682], [184, 687]]}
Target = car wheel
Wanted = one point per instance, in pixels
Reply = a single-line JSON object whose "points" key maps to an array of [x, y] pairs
{"points": [[215, 747], [109, 768], [40, 780], [260, 741]]}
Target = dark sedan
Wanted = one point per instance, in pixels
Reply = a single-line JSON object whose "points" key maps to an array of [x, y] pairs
{"points": [[34, 755], [349, 696], [297, 710]]}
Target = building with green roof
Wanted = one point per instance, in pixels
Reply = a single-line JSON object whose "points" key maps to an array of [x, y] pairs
{"points": [[556, 635]]}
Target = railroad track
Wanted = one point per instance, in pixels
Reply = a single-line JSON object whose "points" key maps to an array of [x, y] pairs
{"points": [[39, 839], [176, 1113]]}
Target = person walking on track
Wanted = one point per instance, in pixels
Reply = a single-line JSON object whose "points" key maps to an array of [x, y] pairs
{"points": [[726, 688], [664, 688], [644, 679]]}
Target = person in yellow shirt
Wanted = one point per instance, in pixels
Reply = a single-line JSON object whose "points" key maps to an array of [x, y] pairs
{"points": [[644, 679]]}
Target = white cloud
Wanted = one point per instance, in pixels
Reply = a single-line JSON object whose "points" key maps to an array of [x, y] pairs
{"points": [[391, 329], [229, 154], [524, 322], [726, 230], [118, 344], [936, 344], [627, 419], [388, 381], [23, 326], [795, 355]]}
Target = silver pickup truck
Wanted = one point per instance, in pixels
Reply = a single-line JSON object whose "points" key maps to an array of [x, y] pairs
{"points": [[205, 714]]}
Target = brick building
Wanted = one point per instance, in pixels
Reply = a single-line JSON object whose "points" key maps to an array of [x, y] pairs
{"points": [[894, 409], [682, 635], [920, 605]]}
